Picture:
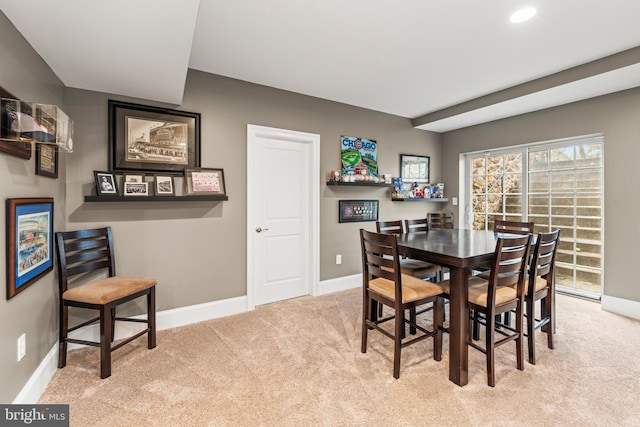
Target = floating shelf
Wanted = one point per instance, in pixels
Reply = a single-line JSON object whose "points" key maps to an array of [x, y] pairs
{"points": [[421, 199], [155, 198], [360, 184]]}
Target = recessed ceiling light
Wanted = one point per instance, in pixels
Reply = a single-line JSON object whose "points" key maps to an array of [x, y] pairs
{"points": [[523, 15]]}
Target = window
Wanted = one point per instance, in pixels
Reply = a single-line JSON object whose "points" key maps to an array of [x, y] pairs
{"points": [[555, 185]]}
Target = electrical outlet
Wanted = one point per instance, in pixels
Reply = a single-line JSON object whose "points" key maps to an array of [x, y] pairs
{"points": [[22, 346], [338, 259], [454, 201]]}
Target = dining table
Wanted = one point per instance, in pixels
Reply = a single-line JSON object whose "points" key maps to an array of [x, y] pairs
{"points": [[462, 251]]}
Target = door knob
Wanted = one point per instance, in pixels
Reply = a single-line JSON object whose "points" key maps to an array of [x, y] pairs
{"points": [[259, 229]]}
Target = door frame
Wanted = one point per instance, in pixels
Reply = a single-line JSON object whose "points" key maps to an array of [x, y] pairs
{"points": [[254, 131]]}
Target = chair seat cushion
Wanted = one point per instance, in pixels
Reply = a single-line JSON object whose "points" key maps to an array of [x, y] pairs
{"points": [[107, 290], [478, 289], [417, 268], [413, 289]]}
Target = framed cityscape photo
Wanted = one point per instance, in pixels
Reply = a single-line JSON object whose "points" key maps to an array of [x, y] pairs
{"points": [[146, 138], [164, 185]]}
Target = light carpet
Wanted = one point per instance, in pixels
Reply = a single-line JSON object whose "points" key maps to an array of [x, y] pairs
{"points": [[298, 362]]}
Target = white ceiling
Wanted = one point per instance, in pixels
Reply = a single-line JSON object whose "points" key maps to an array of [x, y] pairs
{"points": [[404, 57]]}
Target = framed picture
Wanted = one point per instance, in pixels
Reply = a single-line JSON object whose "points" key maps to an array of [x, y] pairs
{"points": [[357, 210], [8, 145], [414, 168], [145, 138], [133, 177], [359, 156], [47, 160], [164, 185], [29, 242], [135, 188], [204, 181], [105, 183]]}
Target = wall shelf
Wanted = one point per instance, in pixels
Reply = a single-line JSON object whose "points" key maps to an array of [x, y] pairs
{"points": [[360, 184], [155, 198], [421, 199]]}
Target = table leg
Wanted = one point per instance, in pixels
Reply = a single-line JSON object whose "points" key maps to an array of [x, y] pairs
{"points": [[459, 326]]}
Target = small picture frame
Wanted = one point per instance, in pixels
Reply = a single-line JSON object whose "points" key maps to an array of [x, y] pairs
{"points": [[47, 160], [414, 168], [135, 188], [164, 185], [105, 183], [204, 181], [133, 177]]}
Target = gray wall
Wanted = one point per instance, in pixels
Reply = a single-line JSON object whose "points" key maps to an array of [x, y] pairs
{"points": [[197, 250], [617, 116], [33, 311]]}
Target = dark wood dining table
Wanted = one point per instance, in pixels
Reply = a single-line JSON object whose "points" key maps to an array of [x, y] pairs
{"points": [[461, 251]]}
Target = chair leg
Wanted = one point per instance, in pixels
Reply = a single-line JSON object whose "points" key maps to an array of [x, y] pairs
{"points": [[490, 348], [62, 338], [105, 341], [413, 319], [438, 321], [531, 330], [397, 338], [548, 303], [519, 339], [367, 307], [113, 324], [151, 318], [475, 327]]}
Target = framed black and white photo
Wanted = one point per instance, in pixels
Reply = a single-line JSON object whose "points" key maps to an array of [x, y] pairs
{"points": [[105, 183], [414, 168], [47, 160], [146, 138], [135, 188], [164, 185]]}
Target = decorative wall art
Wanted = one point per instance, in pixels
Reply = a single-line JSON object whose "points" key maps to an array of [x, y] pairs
{"points": [[359, 156], [204, 181], [29, 242], [414, 168], [164, 185], [9, 144], [47, 160], [106, 184], [145, 138], [357, 210]]}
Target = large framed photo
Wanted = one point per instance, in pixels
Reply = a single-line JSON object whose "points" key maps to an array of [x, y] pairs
{"points": [[29, 242], [106, 184], [47, 160], [414, 168], [204, 181], [146, 138]]}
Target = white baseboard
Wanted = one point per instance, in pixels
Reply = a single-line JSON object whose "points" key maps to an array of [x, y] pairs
{"points": [[340, 284], [167, 319], [621, 306]]}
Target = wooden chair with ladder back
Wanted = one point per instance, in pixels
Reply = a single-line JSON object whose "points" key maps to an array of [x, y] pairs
{"points": [[384, 283], [440, 221], [83, 255]]}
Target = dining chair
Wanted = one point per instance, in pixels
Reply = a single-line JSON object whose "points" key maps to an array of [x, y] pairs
{"points": [[541, 287], [439, 220], [416, 225], [384, 283], [512, 227], [412, 267], [82, 255], [503, 292]]}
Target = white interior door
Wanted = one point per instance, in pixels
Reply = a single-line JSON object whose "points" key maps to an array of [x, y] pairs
{"points": [[282, 174]]}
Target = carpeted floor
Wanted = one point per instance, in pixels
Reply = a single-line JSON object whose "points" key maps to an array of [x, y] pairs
{"points": [[298, 362]]}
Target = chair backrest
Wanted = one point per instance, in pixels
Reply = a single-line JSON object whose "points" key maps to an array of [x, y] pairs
{"points": [[414, 225], [512, 227], [510, 265], [83, 252], [380, 259], [389, 227], [543, 259], [439, 220]]}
